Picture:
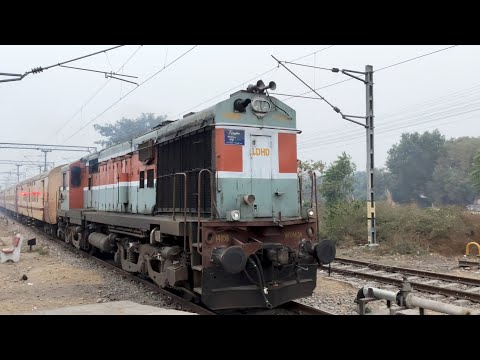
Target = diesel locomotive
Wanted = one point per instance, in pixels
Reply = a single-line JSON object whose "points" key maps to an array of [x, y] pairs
{"points": [[208, 205]]}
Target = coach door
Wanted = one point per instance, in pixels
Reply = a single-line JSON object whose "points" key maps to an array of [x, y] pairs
{"points": [[261, 174], [64, 198], [42, 202]]}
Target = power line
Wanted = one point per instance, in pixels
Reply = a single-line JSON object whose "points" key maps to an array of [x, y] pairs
{"points": [[98, 91], [415, 58], [396, 127], [360, 138], [385, 67], [124, 96], [336, 109], [253, 78], [39, 69], [463, 94]]}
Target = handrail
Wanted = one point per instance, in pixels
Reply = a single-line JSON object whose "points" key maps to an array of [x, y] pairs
{"points": [[198, 203], [300, 192], [184, 206], [316, 202]]}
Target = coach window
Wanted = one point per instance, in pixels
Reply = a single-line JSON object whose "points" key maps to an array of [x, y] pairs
{"points": [[150, 174], [142, 179]]}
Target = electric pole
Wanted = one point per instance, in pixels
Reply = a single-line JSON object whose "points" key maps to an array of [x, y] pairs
{"points": [[368, 125], [45, 151], [18, 172], [372, 238]]}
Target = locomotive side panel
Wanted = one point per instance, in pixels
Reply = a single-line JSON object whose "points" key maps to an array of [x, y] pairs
{"points": [[187, 155], [77, 181], [122, 184]]}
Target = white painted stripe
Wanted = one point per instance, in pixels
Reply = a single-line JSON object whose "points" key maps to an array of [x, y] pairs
{"points": [[135, 183], [239, 175]]}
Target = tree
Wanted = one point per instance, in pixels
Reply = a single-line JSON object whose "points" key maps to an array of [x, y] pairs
{"points": [[382, 180], [412, 162], [310, 165], [126, 129], [475, 174], [338, 180], [451, 181], [303, 169]]}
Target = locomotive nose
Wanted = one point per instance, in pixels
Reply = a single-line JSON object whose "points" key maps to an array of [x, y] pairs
{"points": [[325, 251]]}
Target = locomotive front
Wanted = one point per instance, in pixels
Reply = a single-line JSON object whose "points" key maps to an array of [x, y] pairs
{"points": [[261, 250]]}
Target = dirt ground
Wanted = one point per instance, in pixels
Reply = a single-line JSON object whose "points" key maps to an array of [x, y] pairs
{"points": [[50, 283], [57, 278]]}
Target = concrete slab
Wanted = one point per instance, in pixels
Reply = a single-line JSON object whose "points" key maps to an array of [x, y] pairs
{"points": [[408, 312], [111, 308], [462, 302]]}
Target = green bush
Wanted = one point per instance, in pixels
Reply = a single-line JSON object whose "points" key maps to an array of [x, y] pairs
{"points": [[345, 222], [405, 229], [411, 220]]}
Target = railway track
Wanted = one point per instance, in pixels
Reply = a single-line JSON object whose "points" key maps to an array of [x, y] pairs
{"points": [[292, 306], [426, 281]]}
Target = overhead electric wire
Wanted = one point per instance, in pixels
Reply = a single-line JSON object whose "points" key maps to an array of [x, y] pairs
{"points": [[128, 93], [40, 68], [448, 106], [463, 94], [336, 109], [390, 126], [394, 128], [360, 138], [375, 71], [253, 78], [98, 91]]}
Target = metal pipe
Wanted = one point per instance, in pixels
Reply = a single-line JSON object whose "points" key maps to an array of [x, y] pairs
{"points": [[174, 192], [414, 301], [300, 193], [184, 207], [311, 187], [198, 204], [380, 293]]}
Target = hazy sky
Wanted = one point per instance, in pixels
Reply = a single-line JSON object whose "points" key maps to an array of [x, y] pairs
{"points": [[436, 91]]}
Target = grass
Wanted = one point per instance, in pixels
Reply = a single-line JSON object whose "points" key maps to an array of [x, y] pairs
{"points": [[402, 229]]}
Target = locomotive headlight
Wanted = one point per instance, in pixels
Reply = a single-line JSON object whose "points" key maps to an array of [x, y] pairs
{"points": [[261, 105], [311, 213], [235, 215]]}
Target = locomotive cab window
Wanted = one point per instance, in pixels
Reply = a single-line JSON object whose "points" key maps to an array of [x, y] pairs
{"points": [[93, 165], [142, 179], [64, 180], [150, 176], [75, 176]]}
